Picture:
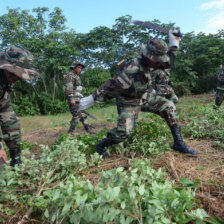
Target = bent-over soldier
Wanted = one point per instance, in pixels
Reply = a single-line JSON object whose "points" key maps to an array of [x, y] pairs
{"points": [[15, 63], [129, 88]]}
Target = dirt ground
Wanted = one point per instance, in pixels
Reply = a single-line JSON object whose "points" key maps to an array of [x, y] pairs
{"points": [[208, 166]]}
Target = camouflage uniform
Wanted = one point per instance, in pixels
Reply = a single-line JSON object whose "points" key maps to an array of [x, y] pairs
{"points": [[18, 61], [162, 99], [132, 88], [156, 104], [73, 92], [162, 84], [9, 122], [128, 87], [220, 87]]}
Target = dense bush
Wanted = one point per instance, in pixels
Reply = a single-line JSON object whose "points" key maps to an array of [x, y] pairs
{"points": [[49, 106], [42, 104], [25, 106]]}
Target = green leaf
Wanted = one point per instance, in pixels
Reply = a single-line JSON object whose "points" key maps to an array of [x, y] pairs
{"points": [[10, 182], [46, 213], [201, 213], [142, 189], [188, 183], [56, 195], [66, 208], [123, 205], [216, 220]]}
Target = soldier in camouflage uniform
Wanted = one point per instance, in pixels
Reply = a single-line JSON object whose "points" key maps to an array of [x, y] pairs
{"points": [[74, 94], [220, 87], [130, 87], [15, 63]]}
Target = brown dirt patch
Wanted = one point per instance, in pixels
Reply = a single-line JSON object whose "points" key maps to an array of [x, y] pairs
{"points": [[208, 167], [48, 136], [207, 98]]}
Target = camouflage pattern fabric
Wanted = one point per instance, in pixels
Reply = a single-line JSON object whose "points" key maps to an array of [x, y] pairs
{"points": [[130, 84], [73, 92], [220, 84], [77, 116], [156, 51], [128, 88], [220, 87], [9, 122], [219, 97], [127, 117], [18, 61], [162, 85], [165, 108]]}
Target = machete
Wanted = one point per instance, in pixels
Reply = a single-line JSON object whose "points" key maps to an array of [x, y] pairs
{"points": [[155, 27], [83, 111]]}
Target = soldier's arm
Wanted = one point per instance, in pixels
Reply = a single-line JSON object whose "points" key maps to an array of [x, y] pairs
{"points": [[69, 88], [113, 87], [172, 53]]}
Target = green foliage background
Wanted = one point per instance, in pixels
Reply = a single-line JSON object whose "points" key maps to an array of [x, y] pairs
{"points": [[55, 46]]}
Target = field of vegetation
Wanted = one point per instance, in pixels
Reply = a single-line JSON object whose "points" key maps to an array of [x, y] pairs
{"points": [[63, 180]]}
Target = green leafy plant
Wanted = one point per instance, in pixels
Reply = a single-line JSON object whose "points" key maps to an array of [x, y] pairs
{"points": [[54, 189]]}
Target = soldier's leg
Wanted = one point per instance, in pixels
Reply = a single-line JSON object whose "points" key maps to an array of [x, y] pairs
{"points": [[219, 97], [83, 119], [173, 98], [167, 110], [127, 116], [163, 107], [75, 117], [11, 131]]}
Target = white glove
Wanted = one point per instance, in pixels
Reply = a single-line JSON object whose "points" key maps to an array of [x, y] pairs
{"points": [[78, 94], [86, 102], [174, 40], [79, 88], [153, 91]]}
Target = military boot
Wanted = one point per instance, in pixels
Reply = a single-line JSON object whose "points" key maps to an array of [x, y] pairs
{"points": [[218, 101], [71, 129], [102, 144], [89, 129], [179, 144], [15, 156]]}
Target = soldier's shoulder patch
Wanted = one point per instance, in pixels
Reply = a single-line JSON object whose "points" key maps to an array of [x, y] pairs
{"points": [[132, 67]]}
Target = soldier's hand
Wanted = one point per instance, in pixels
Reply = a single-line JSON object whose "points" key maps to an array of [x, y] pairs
{"points": [[86, 102], [72, 102], [3, 155], [173, 39]]}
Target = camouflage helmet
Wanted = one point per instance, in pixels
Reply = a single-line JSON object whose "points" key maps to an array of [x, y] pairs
{"points": [[75, 64], [18, 61], [156, 50]]}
